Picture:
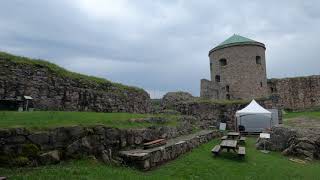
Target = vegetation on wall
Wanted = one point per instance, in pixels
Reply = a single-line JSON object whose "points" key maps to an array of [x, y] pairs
{"points": [[63, 72]]}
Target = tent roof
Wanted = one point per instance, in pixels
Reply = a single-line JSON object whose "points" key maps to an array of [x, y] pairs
{"points": [[253, 108]]}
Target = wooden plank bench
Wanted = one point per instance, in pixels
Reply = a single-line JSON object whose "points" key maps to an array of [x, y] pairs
{"points": [[242, 151], [224, 137], [242, 139], [155, 143], [216, 150]]}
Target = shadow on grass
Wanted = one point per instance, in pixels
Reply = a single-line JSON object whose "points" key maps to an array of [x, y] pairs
{"points": [[231, 157]]}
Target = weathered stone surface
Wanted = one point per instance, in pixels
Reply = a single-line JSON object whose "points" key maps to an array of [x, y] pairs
{"points": [[294, 142], [296, 93], [51, 157], [279, 139], [4, 133], [146, 159], [52, 91], [171, 99], [77, 141], [41, 138], [240, 77], [15, 139]]}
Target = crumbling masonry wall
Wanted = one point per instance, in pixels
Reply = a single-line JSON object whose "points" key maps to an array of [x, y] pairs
{"points": [[296, 93], [53, 91]]}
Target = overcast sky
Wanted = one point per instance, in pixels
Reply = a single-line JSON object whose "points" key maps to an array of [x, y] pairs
{"points": [[162, 45]]}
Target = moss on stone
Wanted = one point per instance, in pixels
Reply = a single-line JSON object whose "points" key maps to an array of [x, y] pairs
{"points": [[30, 150], [20, 161]]}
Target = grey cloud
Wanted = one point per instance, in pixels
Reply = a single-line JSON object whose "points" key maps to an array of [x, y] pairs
{"points": [[160, 45]]}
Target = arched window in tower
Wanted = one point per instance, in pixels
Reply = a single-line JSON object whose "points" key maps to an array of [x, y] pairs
{"points": [[223, 62], [258, 60], [217, 78], [210, 66], [227, 88], [261, 84]]}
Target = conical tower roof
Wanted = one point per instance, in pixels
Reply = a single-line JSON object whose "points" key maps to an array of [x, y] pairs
{"points": [[236, 40]]}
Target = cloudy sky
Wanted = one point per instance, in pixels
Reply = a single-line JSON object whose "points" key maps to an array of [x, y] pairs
{"points": [[159, 45]]}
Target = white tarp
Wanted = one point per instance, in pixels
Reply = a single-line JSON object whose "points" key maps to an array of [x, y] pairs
{"points": [[254, 118]]}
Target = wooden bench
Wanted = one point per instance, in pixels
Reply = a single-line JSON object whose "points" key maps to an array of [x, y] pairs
{"points": [[216, 150], [155, 143], [224, 137], [242, 139], [242, 151], [3, 178]]}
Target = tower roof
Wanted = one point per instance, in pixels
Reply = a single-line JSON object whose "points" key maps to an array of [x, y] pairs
{"points": [[236, 40]]}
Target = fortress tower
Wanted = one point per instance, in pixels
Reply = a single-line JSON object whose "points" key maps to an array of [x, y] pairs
{"points": [[238, 70]]}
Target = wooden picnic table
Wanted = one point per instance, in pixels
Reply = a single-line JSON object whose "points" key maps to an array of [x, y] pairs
{"points": [[229, 144], [233, 135]]}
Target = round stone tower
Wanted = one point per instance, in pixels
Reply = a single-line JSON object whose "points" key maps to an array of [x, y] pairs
{"points": [[238, 69]]}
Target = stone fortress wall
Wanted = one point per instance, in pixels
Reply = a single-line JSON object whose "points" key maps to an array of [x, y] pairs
{"points": [[52, 91], [296, 93], [238, 71]]}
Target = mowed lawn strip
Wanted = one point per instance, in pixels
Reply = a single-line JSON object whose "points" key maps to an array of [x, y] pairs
{"points": [[309, 114], [51, 119], [198, 164]]}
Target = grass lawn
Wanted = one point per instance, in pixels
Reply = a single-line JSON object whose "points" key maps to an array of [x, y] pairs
{"points": [[198, 164], [309, 114], [307, 119], [49, 119]]}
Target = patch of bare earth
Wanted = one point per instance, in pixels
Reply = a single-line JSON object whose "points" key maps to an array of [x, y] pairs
{"points": [[303, 122]]}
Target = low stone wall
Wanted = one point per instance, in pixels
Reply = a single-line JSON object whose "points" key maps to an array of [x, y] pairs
{"points": [[147, 159], [20, 146], [302, 142]]}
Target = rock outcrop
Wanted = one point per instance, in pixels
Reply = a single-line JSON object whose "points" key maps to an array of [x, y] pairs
{"points": [[54, 88], [303, 143], [172, 99]]}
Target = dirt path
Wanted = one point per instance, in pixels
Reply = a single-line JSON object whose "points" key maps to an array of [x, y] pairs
{"points": [[304, 122]]}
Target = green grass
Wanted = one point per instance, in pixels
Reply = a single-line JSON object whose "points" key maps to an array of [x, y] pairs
{"points": [[199, 164], [308, 114], [50, 119]]}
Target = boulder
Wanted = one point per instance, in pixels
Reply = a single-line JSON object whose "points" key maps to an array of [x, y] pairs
{"points": [[171, 99], [42, 139], [279, 138], [51, 157]]}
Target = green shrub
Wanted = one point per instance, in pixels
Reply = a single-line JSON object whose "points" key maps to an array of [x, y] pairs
{"points": [[30, 150], [20, 161]]}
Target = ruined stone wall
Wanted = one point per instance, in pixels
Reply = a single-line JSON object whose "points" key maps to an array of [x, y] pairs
{"points": [[207, 89], [241, 77], [23, 147], [296, 93], [213, 113], [53, 91]]}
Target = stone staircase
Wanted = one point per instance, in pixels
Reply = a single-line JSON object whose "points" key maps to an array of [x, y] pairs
{"points": [[145, 159]]}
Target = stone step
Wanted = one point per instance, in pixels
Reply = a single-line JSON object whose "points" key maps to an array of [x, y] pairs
{"points": [[145, 159]]}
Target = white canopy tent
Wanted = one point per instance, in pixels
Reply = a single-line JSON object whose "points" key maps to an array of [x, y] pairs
{"points": [[254, 118]]}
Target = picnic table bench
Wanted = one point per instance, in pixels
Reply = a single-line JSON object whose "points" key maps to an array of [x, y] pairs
{"points": [[233, 135], [229, 145], [242, 139], [216, 149], [242, 151], [154, 143]]}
